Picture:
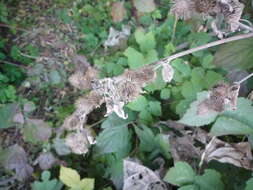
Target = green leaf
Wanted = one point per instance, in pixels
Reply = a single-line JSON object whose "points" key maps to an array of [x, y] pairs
{"points": [[158, 84], [69, 176], [207, 61], [237, 121], [181, 174], [188, 187], [7, 113], [212, 78], [188, 91], [230, 126], [182, 67], [198, 78], [151, 56], [145, 117], [46, 183], [162, 144], [165, 94], [139, 104], [55, 77], [135, 58], [209, 181], [249, 184], [235, 55], [87, 184], [192, 118], [115, 137], [244, 107], [146, 137], [146, 41], [154, 108]]}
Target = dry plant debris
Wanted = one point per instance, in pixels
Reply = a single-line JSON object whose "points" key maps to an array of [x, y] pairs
{"points": [[139, 177], [238, 154], [231, 10]]}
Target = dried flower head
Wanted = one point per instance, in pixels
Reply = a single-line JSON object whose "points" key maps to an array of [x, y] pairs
{"points": [[183, 9], [80, 141]]}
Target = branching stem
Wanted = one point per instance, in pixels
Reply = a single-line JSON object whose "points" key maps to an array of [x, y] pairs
{"points": [[199, 48]]}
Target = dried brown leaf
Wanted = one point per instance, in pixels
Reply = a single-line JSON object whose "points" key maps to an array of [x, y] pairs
{"points": [[45, 160], [238, 154], [80, 141], [183, 9], [15, 158], [118, 12], [139, 177]]}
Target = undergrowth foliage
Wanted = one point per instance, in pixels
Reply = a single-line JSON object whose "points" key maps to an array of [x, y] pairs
{"points": [[126, 95]]}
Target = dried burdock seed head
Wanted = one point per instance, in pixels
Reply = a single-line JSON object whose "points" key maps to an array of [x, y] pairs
{"points": [[83, 80], [80, 141], [221, 95], [183, 9]]}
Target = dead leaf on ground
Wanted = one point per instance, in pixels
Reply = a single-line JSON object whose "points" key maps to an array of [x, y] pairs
{"points": [[144, 6], [15, 158], [45, 160], [36, 131], [118, 11], [138, 177], [80, 141], [238, 154]]}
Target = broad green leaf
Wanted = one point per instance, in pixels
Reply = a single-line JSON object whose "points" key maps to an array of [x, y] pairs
{"points": [[165, 93], [154, 108], [87, 184], [146, 41], [135, 58], [60, 147], [249, 184], [188, 91], [151, 56], [55, 77], [230, 126], [209, 181], [207, 61], [158, 84], [146, 137], [114, 120], [192, 118], [145, 117], [162, 144], [181, 174], [182, 106], [239, 121], [139, 104], [188, 187], [235, 55], [145, 6], [182, 67], [212, 78], [243, 112], [198, 78], [69, 176], [7, 113], [114, 138]]}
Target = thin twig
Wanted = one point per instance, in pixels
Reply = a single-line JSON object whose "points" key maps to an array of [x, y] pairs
{"points": [[13, 64], [244, 79], [199, 48], [12, 27]]}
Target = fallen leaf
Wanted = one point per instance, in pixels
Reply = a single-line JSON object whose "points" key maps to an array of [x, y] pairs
{"points": [[7, 113], [60, 147], [18, 118], [138, 177], [238, 154], [45, 160], [80, 141], [144, 6], [118, 11], [36, 131], [15, 158]]}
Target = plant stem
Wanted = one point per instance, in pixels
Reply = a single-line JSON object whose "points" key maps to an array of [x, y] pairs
{"points": [[13, 64], [244, 79], [199, 48]]}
